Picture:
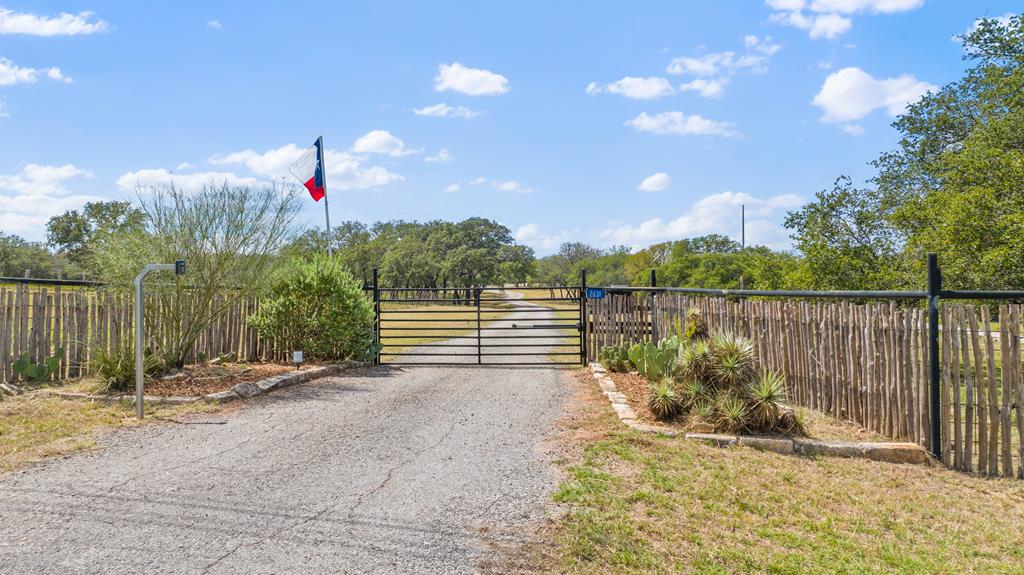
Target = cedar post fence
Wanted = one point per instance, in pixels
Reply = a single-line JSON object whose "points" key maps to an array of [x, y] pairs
{"points": [[940, 374]]}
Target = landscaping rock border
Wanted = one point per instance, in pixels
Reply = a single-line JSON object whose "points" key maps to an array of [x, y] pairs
{"points": [[895, 452], [238, 391]]}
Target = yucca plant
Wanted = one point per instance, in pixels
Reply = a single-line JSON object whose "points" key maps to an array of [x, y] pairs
{"points": [[704, 410], [732, 413], [114, 368], [695, 360], [694, 390], [733, 361], [665, 401], [765, 396]]}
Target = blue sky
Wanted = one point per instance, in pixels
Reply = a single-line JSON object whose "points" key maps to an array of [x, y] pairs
{"points": [[609, 123]]}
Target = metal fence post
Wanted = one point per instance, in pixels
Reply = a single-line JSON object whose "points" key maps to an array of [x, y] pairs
{"points": [[479, 354], [376, 319], [652, 303], [934, 288], [583, 317]]}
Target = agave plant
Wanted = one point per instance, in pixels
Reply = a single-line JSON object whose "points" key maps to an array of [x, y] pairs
{"points": [[732, 413], [704, 410], [665, 401], [695, 360], [733, 364], [766, 394], [694, 391]]}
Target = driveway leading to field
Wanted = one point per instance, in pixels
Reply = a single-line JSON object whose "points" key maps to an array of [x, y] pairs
{"points": [[383, 470]]}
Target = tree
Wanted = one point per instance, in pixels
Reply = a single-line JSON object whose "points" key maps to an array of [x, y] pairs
{"points": [[229, 237], [952, 186], [575, 252], [846, 239], [75, 233], [18, 254]]}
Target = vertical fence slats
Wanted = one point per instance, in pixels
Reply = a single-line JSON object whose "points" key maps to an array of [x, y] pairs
{"points": [[867, 363]]}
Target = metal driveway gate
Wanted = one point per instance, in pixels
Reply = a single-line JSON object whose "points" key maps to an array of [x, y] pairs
{"points": [[479, 326]]}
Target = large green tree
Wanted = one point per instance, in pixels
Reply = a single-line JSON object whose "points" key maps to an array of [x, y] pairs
{"points": [[75, 233], [952, 186]]}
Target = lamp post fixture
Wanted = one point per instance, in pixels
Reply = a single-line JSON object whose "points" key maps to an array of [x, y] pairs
{"points": [[178, 267]]}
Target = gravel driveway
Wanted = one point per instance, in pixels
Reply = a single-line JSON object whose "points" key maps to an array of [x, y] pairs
{"points": [[384, 470]]}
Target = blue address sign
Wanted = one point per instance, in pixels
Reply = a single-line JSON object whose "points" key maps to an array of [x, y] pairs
{"points": [[595, 293]]}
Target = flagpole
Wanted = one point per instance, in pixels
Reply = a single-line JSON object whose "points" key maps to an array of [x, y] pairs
{"points": [[323, 175]]}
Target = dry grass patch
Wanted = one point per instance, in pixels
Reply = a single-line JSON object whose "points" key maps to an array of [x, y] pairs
{"points": [[38, 425], [644, 504]]}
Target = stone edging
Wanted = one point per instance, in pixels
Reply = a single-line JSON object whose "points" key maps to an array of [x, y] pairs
{"points": [[896, 452], [237, 391]]}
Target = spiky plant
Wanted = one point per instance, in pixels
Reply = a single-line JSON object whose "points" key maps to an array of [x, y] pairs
{"points": [[704, 410], [694, 390], [696, 326], [695, 360], [765, 396], [664, 400], [733, 361], [732, 413]]}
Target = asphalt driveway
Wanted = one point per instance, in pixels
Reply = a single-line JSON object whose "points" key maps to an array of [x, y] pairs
{"points": [[383, 470]]}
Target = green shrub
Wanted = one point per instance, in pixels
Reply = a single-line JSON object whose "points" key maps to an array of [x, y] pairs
{"points": [[317, 307], [114, 368], [615, 358], [665, 401]]}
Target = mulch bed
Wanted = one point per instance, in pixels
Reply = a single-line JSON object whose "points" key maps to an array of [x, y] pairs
{"points": [[199, 380], [819, 425]]}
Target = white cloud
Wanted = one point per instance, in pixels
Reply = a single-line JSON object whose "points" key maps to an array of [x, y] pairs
{"points": [[215, 24], [183, 166], [850, 94], [853, 129], [55, 74], [762, 45], [712, 71], [37, 192], [504, 185], [532, 235], [64, 24], [443, 157], [716, 63], [11, 73], [717, 213], [159, 177], [636, 88], [443, 110], [453, 188], [655, 182], [381, 142], [344, 170], [471, 81], [706, 88], [828, 18], [681, 124]]}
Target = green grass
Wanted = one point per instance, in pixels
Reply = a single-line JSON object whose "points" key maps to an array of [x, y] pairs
{"points": [[38, 425], [431, 331], [642, 504]]}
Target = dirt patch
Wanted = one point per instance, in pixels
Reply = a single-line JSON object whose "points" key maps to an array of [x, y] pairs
{"points": [[818, 425], [199, 380]]}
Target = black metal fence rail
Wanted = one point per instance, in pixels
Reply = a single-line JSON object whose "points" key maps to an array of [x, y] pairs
{"points": [[939, 374]]}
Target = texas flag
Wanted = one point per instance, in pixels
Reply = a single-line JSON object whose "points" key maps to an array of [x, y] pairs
{"points": [[309, 169]]}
